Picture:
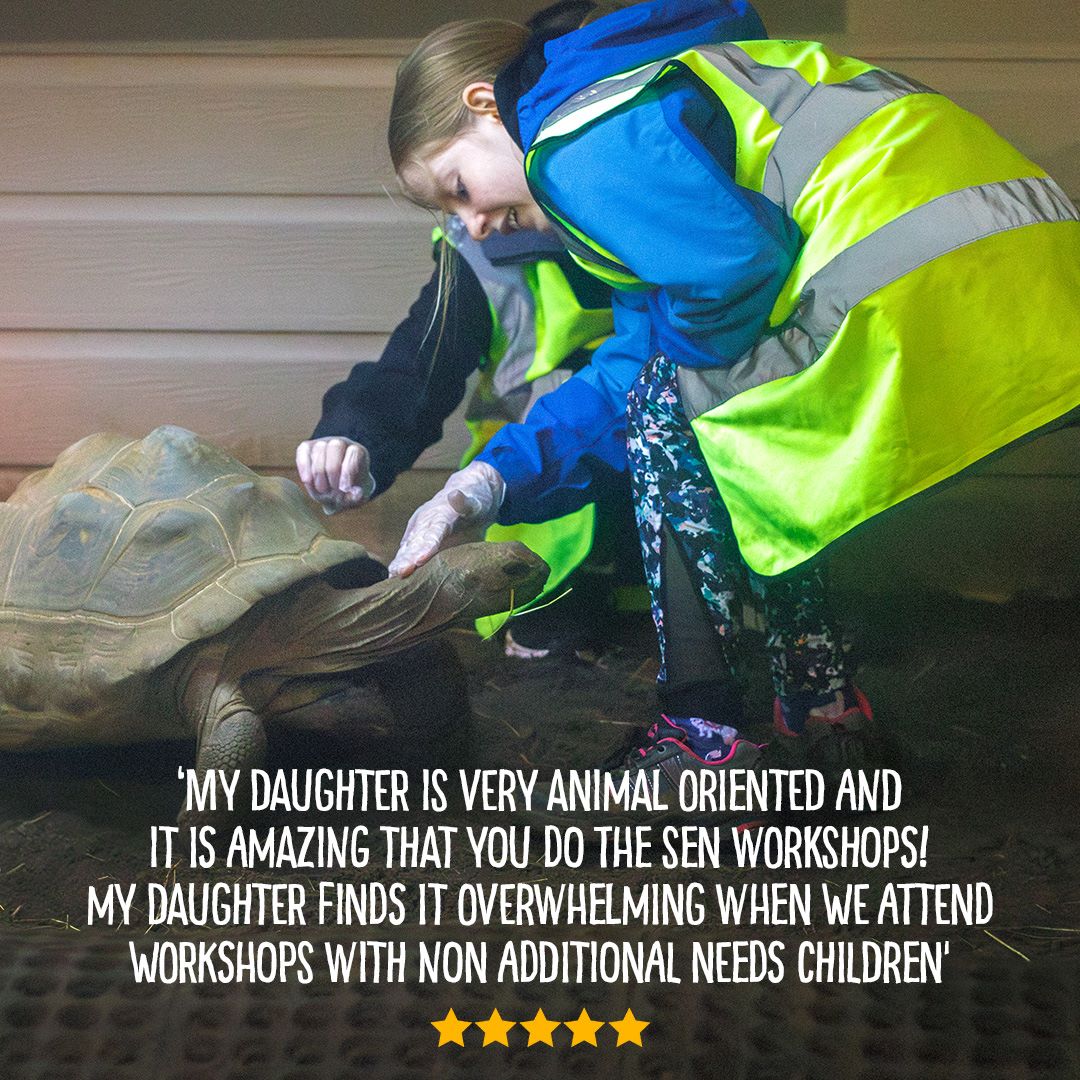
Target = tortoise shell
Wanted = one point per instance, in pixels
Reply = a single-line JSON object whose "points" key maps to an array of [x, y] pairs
{"points": [[125, 551]]}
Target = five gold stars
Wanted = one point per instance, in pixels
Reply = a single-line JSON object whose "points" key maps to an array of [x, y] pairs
{"points": [[541, 1030]]}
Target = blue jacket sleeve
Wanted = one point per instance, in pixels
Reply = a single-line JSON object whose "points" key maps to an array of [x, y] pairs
{"points": [[653, 185], [576, 432]]}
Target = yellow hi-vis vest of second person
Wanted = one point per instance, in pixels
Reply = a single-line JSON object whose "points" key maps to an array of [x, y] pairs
{"points": [[540, 335], [932, 315]]}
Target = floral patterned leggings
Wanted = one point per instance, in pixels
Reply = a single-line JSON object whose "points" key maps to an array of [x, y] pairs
{"points": [[676, 504]]}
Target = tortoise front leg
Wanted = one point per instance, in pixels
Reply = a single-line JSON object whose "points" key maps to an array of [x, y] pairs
{"points": [[231, 738]]}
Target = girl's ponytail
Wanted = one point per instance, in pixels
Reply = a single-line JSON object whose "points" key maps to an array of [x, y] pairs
{"points": [[427, 110]]}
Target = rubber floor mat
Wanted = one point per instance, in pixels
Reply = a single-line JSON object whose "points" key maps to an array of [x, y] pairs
{"points": [[70, 1010]]}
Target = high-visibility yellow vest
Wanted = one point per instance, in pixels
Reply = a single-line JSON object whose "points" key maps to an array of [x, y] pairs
{"points": [[931, 317]]}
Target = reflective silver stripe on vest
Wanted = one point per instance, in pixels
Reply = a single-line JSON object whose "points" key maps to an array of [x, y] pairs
{"points": [[814, 117], [778, 90], [514, 306], [897, 248], [590, 95], [827, 114], [600, 92]]}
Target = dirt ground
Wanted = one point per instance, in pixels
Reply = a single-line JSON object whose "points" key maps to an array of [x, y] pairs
{"points": [[978, 700]]}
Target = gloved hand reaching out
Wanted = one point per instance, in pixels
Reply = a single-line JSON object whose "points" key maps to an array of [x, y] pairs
{"points": [[336, 472], [470, 497]]}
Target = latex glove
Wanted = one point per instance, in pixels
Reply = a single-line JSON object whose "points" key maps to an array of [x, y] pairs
{"points": [[470, 497], [336, 472]]}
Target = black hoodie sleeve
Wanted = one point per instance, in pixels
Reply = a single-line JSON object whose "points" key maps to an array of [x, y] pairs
{"points": [[396, 406]]}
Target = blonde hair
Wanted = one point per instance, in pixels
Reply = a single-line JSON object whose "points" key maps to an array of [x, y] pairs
{"points": [[427, 110]]}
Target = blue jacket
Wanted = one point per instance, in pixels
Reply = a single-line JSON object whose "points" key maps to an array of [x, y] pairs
{"points": [[651, 183]]}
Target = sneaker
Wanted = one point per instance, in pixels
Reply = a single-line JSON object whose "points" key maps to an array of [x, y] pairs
{"points": [[664, 749], [841, 734]]}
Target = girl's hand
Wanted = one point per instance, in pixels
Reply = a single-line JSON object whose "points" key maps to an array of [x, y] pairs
{"points": [[336, 472], [471, 497]]}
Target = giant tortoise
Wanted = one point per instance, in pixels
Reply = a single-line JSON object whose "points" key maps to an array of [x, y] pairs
{"points": [[157, 588]]}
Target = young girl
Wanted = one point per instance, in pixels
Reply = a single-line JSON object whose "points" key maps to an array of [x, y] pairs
{"points": [[853, 290]]}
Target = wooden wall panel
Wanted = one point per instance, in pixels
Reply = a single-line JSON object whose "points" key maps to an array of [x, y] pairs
{"points": [[196, 124], [1001, 24], [1056, 454], [316, 125], [250, 392], [258, 395], [210, 263]]}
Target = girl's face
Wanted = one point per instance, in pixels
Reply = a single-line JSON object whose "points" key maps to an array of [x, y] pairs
{"points": [[480, 176]]}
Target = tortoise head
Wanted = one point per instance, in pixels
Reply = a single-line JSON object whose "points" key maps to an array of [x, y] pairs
{"points": [[494, 577]]}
